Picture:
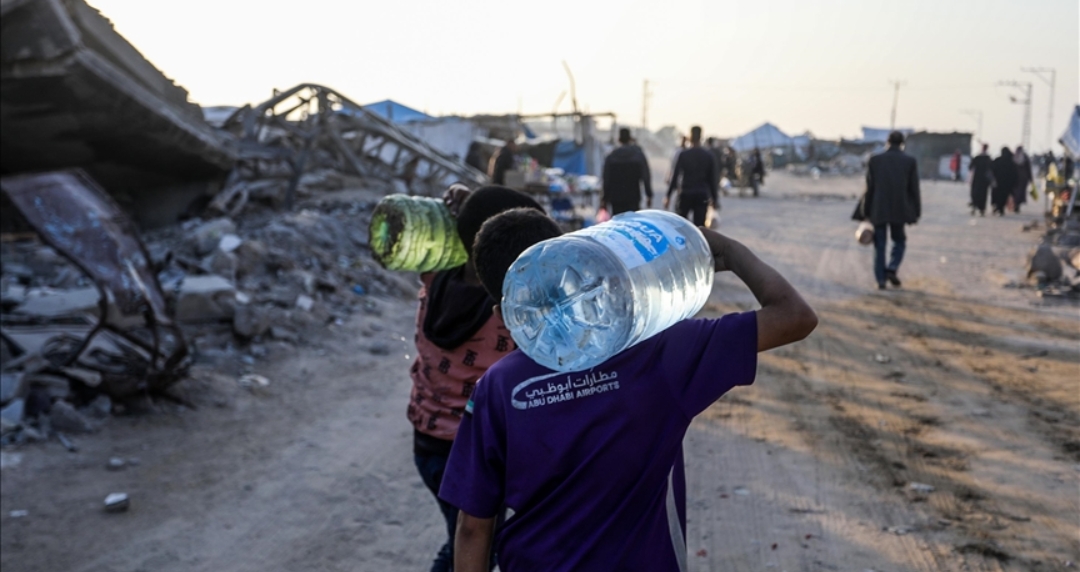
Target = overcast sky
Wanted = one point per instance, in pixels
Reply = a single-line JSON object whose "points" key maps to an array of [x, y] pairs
{"points": [[822, 65]]}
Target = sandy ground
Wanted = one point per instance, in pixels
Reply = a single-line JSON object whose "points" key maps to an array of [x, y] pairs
{"points": [[975, 392]]}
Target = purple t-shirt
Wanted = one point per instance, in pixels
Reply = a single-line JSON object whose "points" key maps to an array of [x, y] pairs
{"points": [[590, 463]]}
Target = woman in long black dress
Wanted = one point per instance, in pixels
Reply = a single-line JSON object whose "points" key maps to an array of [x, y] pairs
{"points": [[1005, 179], [1023, 178], [980, 180]]}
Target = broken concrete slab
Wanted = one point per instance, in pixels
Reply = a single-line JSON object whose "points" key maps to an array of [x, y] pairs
{"points": [[77, 94], [205, 299], [206, 237]]}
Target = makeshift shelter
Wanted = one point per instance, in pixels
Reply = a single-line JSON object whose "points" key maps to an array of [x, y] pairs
{"points": [[933, 150], [881, 134], [766, 136]]}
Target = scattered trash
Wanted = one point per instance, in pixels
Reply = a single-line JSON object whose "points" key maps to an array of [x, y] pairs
{"points": [[117, 502], [741, 491], [921, 487], [19, 513], [882, 358], [359, 290], [899, 530], [116, 464], [702, 553]]}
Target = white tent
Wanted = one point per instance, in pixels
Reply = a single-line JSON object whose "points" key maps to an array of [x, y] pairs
{"points": [[767, 136]]}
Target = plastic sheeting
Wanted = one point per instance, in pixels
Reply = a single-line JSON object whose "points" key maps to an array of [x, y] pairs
{"points": [[1071, 138], [766, 136], [570, 157]]}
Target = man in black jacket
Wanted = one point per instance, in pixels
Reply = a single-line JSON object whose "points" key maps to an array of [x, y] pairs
{"points": [[698, 175], [892, 200], [626, 171]]}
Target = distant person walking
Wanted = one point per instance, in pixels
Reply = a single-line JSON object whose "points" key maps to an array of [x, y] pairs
{"points": [[981, 177], [1005, 178], [892, 200], [1023, 178], [626, 175], [473, 157], [955, 163], [697, 176], [502, 162], [757, 171]]}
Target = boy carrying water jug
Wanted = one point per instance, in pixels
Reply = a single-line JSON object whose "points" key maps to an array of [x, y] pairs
{"points": [[596, 482]]}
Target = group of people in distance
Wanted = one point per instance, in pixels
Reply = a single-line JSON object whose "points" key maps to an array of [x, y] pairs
{"points": [[1006, 179], [591, 483], [695, 176]]}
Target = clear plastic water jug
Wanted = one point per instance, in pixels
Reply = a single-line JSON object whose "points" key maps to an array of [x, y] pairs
{"points": [[574, 301], [415, 234]]}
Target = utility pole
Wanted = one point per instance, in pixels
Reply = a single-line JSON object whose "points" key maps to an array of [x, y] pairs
{"points": [[977, 114], [645, 95], [1025, 87], [1049, 114], [897, 84]]}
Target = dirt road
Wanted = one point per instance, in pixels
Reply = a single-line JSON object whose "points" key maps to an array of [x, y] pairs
{"points": [[931, 428]]}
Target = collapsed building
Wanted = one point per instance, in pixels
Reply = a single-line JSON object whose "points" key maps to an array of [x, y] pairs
{"points": [[140, 239]]}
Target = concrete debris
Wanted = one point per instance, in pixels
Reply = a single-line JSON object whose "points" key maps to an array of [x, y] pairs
{"points": [[128, 342], [117, 502], [122, 119], [305, 303], [229, 243], [208, 236], [205, 299], [64, 417], [312, 136], [250, 321]]}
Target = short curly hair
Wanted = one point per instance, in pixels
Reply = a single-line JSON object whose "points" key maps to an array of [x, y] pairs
{"points": [[503, 238]]}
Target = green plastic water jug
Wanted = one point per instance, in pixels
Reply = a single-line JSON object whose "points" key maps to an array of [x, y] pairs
{"points": [[415, 234]]}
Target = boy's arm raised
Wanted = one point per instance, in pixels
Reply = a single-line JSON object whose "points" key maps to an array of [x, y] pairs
{"points": [[472, 542], [784, 316]]}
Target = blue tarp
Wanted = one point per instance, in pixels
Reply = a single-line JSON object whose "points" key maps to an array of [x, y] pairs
{"points": [[570, 157], [396, 112], [1071, 138]]}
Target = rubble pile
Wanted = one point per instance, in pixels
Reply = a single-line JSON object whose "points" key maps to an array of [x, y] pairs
{"points": [[237, 289], [311, 135]]}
